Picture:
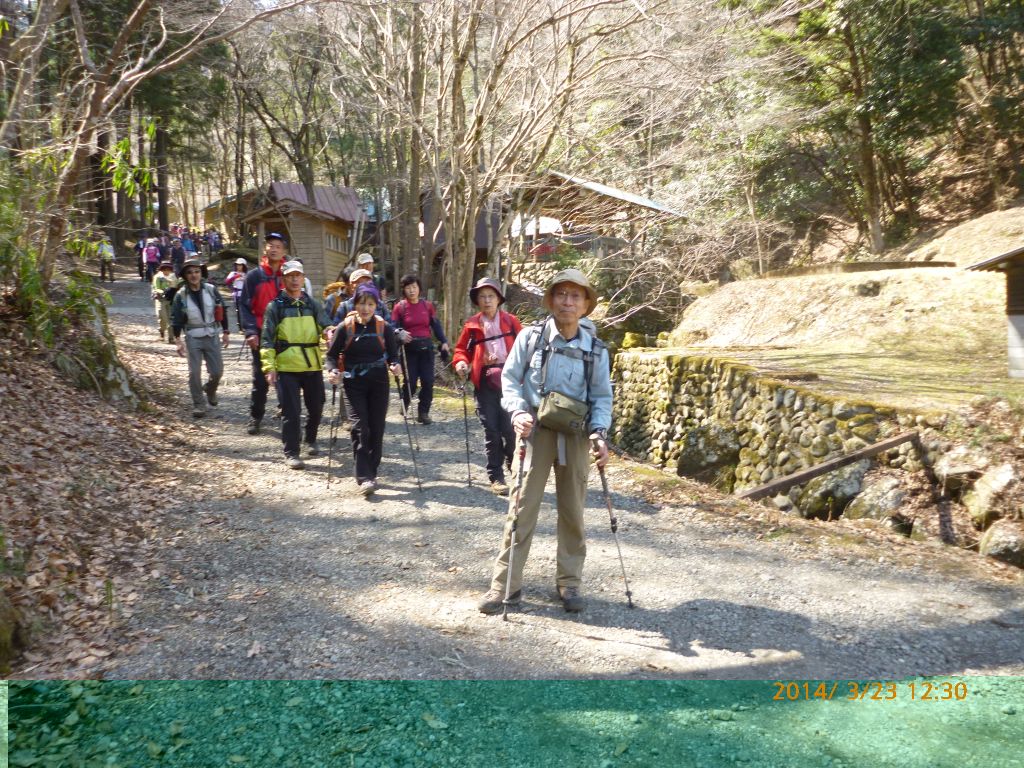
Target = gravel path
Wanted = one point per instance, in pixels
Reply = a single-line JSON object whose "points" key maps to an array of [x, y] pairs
{"points": [[268, 574]]}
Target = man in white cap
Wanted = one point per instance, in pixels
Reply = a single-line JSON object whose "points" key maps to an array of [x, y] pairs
{"points": [[365, 261], [290, 355], [557, 357]]}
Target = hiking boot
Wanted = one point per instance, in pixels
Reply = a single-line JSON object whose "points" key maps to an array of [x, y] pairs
{"points": [[253, 427], [424, 419], [494, 601], [571, 599], [198, 412], [367, 487], [312, 449], [294, 462], [211, 394], [499, 488]]}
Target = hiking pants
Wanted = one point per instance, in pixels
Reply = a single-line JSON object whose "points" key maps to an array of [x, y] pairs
{"points": [[203, 348], [260, 387], [419, 368], [368, 409], [150, 270], [163, 316], [499, 438], [106, 270], [311, 385], [571, 495]]}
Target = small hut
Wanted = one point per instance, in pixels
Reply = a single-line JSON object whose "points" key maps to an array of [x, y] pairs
{"points": [[1011, 264], [318, 233]]}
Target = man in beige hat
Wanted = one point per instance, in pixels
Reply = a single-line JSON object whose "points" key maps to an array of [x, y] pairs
{"points": [[560, 357]]}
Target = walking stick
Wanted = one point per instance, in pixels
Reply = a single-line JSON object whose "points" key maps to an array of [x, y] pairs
{"points": [[332, 438], [615, 532], [465, 420], [408, 433], [515, 526]]}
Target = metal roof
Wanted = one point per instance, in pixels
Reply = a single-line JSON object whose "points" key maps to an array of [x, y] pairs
{"points": [[337, 202], [618, 194], [1001, 262]]}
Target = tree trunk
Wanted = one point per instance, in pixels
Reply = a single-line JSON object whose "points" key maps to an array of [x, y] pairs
{"points": [[162, 191]]}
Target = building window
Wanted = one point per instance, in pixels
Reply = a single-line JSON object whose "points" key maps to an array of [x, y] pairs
{"points": [[334, 243]]}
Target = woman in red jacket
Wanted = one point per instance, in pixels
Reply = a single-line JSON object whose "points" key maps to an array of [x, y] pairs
{"points": [[481, 350]]}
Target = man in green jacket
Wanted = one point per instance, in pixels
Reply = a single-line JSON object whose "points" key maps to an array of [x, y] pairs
{"points": [[162, 282], [290, 354]]}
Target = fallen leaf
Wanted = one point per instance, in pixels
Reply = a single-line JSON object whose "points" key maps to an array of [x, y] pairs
{"points": [[433, 722], [254, 650]]}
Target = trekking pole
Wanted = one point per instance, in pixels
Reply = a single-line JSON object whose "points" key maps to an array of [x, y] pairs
{"points": [[408, 433], [331, 439], [465, 420], [615, 532], [515, 526]]}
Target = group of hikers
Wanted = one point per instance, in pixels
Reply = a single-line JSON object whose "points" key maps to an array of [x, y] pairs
{"points": [[545, 389]]}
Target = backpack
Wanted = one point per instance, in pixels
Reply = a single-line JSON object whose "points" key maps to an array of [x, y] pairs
{"points": [[349, 324], [597, 346]]}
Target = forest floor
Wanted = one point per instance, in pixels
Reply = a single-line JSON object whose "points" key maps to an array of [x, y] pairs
{"points": [[239, 568]]}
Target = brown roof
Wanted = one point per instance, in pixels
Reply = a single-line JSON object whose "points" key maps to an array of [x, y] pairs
{"points": [[337, 202]]}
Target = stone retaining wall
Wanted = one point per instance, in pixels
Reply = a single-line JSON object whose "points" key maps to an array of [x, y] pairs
{"points": [[723, 423]]}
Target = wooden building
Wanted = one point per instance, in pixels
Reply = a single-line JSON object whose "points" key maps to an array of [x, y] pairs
{"points": [[319, 233], [1011, 264]]}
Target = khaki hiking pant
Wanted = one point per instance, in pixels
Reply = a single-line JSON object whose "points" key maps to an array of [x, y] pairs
{"points": [[571, 495]]}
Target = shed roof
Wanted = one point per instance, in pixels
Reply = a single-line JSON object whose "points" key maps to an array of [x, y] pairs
{"points": [[618, 194], [1001, 263], [341, 203]]}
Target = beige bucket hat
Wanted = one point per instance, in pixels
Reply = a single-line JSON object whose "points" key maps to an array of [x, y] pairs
{"points": [[575, 277]]}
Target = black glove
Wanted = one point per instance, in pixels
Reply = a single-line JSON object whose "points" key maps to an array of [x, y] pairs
{"points": [[444, 356]]}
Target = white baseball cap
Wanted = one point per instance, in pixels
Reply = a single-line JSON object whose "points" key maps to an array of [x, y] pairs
{"points": [[292, 266], [364, 258]]}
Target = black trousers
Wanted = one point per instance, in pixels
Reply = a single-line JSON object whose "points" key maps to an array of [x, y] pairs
{"points": [[499, 438], [311, 386], [368, 410], [419, 368], [258, 394]]}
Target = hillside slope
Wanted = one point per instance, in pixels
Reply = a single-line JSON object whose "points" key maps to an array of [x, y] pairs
{"points": [[930, 337]]}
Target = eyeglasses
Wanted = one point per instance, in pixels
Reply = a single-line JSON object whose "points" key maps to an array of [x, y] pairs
{"points": [[571, 296]]}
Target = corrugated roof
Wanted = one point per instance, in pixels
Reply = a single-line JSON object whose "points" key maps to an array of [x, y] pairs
{"points": [[337, 202], [618, 194], [998, 263]]}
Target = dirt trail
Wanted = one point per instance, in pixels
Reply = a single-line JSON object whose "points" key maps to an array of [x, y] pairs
{"points": [[267, 574]]}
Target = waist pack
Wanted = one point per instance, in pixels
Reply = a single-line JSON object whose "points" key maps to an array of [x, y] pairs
{"points": [[562, 413], [420, 344]]}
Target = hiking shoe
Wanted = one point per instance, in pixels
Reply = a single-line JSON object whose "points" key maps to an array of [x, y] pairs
{"points": [[198, 413], [312, 449], [424, 419], [494, 601], [367, 487], [571, 599], [253, 427], [294, 462], [211, 394], [499, 488]]}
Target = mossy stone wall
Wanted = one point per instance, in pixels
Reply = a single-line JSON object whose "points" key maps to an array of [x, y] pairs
{"points": [[722, 422]]}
